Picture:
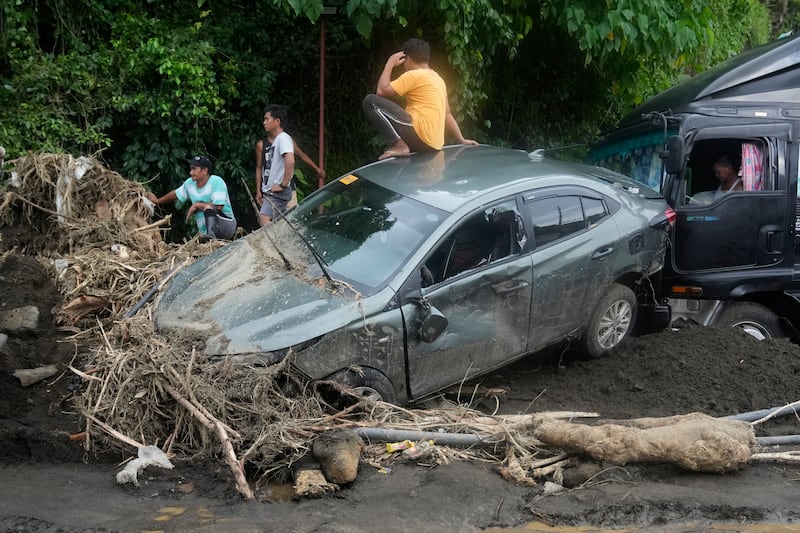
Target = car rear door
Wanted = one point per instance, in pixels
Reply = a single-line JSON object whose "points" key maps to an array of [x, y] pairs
{"points": [[575, 249]]}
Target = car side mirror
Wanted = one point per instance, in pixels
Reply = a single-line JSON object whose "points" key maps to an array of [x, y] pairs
{"points": [[432, 325], [673, 155]]}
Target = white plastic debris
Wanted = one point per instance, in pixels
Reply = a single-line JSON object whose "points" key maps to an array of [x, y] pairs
{"points": [[121, 250], [82, 165], [148, 456], [552, 488], [60, 265]]}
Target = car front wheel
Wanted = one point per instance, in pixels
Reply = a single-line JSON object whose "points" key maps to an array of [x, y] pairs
{"points": [[611, 322], [754, 319], [367, 382]]}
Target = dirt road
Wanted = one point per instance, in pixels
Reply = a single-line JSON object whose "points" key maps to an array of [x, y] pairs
{"points": [[44, 486]]}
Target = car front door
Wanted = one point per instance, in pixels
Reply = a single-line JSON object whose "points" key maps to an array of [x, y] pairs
{"points": [[481, 284]]}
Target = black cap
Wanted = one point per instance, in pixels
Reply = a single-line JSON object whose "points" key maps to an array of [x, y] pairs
{"points": [[200, 161]]}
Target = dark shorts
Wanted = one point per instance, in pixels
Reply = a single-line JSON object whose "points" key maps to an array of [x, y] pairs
{"points": [[273, 204]]}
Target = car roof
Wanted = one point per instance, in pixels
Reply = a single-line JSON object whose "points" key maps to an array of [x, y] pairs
{"points": [[456, 175]]}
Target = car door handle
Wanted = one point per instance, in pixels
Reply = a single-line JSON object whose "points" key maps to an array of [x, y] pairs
{"points": [[602, 253], [503, 288]]}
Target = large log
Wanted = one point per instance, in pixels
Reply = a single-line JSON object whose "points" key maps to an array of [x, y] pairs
{"points": [[695, 442]]}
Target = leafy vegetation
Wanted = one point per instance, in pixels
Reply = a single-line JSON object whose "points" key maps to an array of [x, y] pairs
{"points": [[149, 82]]}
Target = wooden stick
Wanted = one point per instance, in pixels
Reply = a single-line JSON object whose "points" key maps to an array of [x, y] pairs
{"points": [[113, 432], [215, 426], [774, 413], [791, 457], [549, 460], [548, 470], [163, 222], [197, 405], [84, 375]]}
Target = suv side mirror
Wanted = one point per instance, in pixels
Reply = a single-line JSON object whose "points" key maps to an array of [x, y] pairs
{"points": [[673, 155]]}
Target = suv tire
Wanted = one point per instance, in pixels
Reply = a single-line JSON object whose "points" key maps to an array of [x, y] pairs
{"points": [[754, 319]]}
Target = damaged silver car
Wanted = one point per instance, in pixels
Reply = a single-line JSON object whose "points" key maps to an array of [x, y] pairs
{"points": [[412, 274]]}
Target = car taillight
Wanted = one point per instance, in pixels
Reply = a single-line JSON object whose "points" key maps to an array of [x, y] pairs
{"points": [[664, 220]]}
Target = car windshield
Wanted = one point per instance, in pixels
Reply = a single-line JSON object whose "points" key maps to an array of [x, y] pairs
{"points": [[363, 232], [636, 156]]}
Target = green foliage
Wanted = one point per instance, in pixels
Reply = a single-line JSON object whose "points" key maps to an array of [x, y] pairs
{"points": [[151, 82], [789, 21], [51, 100]]}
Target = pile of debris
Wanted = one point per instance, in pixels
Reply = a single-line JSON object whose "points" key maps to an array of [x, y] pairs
{"points": [[140, 390]]}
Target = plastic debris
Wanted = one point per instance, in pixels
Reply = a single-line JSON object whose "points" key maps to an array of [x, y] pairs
{"points": [[148, 456], [392, 447], [421, 449]]}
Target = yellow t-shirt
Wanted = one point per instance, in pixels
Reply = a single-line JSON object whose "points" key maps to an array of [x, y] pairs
{"points": [[426, 102]]}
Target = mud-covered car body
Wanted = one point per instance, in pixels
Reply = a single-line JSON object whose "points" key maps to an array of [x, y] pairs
{"points": [[426, 270]]}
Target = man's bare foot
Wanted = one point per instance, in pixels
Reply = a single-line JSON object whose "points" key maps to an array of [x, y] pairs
{"points": [[398, 149], [393, 153]]}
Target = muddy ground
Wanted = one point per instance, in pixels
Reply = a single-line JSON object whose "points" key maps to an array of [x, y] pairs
{"points": [[47, 483]]}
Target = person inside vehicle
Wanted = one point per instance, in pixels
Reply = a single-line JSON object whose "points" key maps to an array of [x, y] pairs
{"points": [[726, 170]]}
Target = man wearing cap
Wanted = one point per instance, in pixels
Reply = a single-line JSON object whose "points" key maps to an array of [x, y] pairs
{"points": [[208, 197]]}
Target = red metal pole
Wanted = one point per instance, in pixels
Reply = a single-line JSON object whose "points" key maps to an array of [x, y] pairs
{"points": [[321, 97]]}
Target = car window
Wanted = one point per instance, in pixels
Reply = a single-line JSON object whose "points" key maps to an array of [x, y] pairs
{"points": [[556, 217], [593, 209], [482, 239]]}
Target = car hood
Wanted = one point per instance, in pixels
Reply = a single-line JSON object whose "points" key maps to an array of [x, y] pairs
{"points": [[243, 299]]}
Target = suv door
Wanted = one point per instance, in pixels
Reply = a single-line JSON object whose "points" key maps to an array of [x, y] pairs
{"points": [[739, 229]]}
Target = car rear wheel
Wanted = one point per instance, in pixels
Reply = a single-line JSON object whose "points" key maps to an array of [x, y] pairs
{"points": [[611, 322], [754, 319], [368, 383]]}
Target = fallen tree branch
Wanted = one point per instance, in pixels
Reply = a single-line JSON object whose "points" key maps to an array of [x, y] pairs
{"points": [[791, 457], [215, 426]]}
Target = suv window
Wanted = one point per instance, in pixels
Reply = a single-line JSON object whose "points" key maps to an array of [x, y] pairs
{"points": [[747, 160]]}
